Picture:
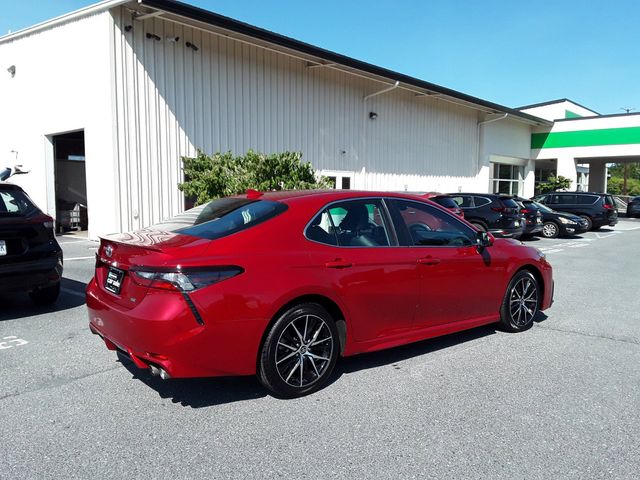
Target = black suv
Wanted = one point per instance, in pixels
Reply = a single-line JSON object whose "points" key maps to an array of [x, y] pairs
{"points": [[598, 209], [30, 257], [489, 212]]}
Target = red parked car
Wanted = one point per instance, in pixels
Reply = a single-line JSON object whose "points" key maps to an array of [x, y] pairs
{"points": [[281, 284]]}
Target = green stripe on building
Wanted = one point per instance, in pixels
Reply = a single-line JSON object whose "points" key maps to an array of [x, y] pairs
{"points": [[586, 138]]}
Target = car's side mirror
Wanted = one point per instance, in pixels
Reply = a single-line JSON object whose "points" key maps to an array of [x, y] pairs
{"points": [[484, 239]]}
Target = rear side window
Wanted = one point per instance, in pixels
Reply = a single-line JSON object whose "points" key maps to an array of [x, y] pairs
{"points": [[587, 199], [354, 223], [481, 201], [15, 203], [221, 217]]}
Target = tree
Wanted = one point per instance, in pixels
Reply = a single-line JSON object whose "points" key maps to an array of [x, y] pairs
{"points": [[554, 183], [223, 174]]}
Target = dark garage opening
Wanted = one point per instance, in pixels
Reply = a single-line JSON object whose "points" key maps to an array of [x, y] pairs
{"points": [[70, 181]]}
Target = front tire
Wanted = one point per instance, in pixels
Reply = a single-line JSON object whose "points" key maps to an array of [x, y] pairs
{"points": [[45, 296], [521, 302], [550, 230], [300, 351]]}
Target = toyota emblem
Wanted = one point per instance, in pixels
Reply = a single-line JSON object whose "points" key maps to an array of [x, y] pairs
{"points": [[108, 251]]}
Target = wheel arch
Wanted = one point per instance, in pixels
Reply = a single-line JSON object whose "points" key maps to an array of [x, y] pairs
{"points": [[328, 304], [537, 274]]}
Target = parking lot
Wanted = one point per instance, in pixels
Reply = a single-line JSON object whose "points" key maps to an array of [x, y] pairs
{"points": [[561, 400]]}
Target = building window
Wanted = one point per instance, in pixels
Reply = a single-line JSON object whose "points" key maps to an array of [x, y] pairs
{"points": [[506, 179], [338, 180]]}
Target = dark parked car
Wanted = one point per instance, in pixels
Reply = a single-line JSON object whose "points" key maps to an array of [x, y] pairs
{"points": [[30, 257], [282, 284], [633, 207], [556, 224], [598, 209], [495, 213], [445, 201], [532, 217]]}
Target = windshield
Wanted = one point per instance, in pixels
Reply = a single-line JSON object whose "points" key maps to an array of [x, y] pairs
{"points": [[447, 202], [221, 217], [542, 208], [15, 203]]}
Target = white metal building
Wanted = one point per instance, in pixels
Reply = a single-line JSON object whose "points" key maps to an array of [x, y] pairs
{"points": [[101, 104]]}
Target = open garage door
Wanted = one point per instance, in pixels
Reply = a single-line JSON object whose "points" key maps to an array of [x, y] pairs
{"points": [[70, 182]]}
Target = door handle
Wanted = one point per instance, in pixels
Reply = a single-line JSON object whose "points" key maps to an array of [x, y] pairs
{"points": [[338, 263], [429, 261]]}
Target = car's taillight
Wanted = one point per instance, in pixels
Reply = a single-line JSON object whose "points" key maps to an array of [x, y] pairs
{"points": [[524, 211], [608, 207], [184, 280], [498, 209]]}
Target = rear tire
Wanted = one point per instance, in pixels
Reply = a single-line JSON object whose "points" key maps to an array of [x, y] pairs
{"points": [[521, 302], [45, 296], [550, 230], [300, 351], [589, 221]]}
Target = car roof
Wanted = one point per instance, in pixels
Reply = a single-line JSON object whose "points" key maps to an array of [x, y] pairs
{"points": [[9, 186], [284, 195]]}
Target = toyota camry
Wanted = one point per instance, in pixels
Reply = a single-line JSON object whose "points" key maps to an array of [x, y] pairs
{"points": [[282, 284]]}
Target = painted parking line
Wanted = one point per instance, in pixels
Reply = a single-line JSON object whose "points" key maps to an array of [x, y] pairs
{"points": [[67, 242], [11, 342], [79, 258]]}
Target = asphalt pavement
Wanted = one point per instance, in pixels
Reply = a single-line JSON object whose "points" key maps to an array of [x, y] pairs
{"points": [[561, 400]]}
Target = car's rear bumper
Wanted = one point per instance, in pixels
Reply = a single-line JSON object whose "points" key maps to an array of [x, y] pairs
{"points": [[28, 275], [162, 331], [508, 232]]}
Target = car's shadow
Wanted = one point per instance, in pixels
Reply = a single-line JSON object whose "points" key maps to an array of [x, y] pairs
{"points": [[207, 392], [20, 305]]}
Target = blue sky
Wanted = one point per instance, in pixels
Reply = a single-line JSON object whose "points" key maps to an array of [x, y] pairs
{"points": [[510, 52]]}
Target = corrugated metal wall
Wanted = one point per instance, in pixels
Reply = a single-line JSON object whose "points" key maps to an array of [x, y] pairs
{"points": [[232, 96]]}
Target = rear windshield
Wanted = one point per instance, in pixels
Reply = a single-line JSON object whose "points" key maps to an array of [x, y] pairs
{"points": [[447, 202], [221, 217], [15, 203], [509, 203]]}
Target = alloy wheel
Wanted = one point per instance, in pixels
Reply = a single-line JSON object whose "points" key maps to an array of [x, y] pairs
{"points": [[523, 301], [550, 230], [304, 351]]}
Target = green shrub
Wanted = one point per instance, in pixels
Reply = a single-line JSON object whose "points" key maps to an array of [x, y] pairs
{"points": [[223, 174], [554, 183], [614, 186]]}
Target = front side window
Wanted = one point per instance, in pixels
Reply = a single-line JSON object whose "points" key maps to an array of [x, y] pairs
{"points": [[419, 224], [353, 223], [221, 217], [463, 201]]}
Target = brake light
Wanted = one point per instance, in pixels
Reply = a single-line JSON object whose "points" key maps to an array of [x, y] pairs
{"points": [[608, 207], [525, 211], [498, 209], [186, 280]]}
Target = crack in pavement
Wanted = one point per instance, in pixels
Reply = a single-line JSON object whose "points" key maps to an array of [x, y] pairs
{"points": [[55, 384], [591, 335]]}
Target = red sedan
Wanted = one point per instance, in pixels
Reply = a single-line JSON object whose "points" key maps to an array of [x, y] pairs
{"points": [[281, 284]]}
